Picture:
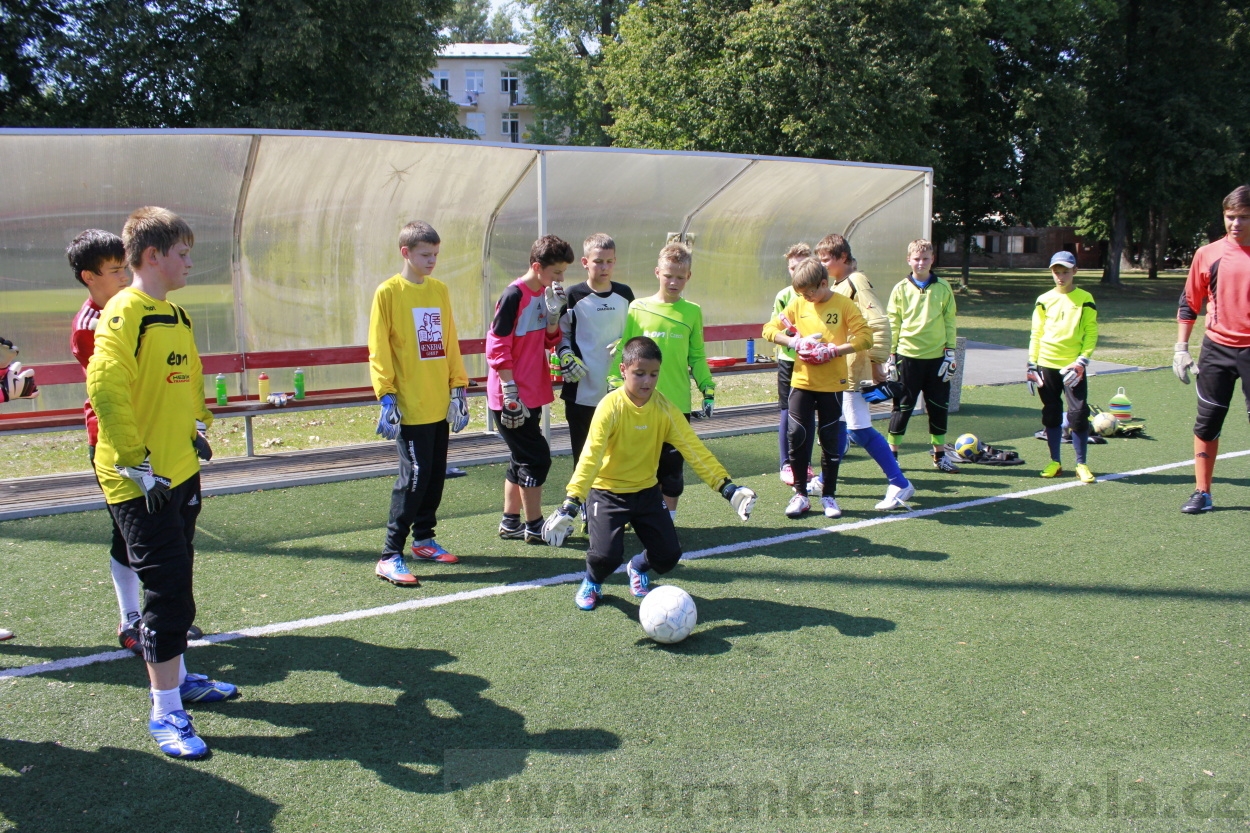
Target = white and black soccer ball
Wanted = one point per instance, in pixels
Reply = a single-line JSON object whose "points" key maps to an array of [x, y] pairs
{"points": [[1104, 423], [668, 614]]}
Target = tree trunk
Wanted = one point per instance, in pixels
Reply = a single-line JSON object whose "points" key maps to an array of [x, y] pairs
{"points": [[1150, 247], [967, 260], [1161, 240], [1119, 234]]}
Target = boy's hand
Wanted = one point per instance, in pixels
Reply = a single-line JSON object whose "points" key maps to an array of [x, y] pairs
{"points": [[891, 368], [740, 498], [709, 404], [884, 392], [458, 411], [202, 449], [514, 412], [17, 383], [154, 487], [1182, 362], [555, 300], [1033, 377], [388, 420], [1075, 372], [947, 368], [813, 351], [571, 367], [559, 524]]}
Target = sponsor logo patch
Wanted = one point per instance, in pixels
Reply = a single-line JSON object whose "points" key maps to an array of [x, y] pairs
{"points": [[429, 324], [116, 323], [177, 378]]}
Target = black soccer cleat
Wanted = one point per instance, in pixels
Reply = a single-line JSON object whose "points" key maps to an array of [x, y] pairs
{"points": [[1198, 503]]}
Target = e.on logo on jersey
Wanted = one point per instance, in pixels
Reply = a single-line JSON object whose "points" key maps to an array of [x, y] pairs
{"points": [[429, 324]]}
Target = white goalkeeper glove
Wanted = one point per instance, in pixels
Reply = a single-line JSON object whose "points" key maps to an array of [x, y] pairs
{"points": [[155, 488], [458, 411], [514, 412], [572, 368], [891, 368], [740, 498], [947, 368], [1182, 362], [388, 419], [555, 299], [18, 383], [559, 525], [202, 449], [1033, 377], [1075, 372]]}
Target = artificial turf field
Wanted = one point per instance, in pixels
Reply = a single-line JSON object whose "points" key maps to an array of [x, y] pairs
{"points": [[1073, 659]]}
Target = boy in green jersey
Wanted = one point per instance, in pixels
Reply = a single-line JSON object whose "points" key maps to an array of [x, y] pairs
{"points": [[1065, 332], [677, 326]]}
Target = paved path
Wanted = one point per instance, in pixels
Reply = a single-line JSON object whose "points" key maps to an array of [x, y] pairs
{"points": [[994, 364]]}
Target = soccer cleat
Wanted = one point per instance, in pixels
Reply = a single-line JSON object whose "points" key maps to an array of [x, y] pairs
{"points": [[816, 486], [832, 510], [194, 633], [896, 497], [639, 583], [943, 463], [1053, 469], [197, 688], [509, 531], [1198, 503], [176, 737], [798, 506], [587, 595], [1083, 472], [534, 532], [128, 638], [394, 570], [5, 633], [787, 475], [431, 551]]}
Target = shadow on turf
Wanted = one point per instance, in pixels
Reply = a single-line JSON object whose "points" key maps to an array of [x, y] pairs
{"points": [[120, 789]]}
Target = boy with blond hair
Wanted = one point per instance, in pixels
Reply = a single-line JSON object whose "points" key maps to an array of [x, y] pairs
{"points": [[419, 379], [922, 350]]}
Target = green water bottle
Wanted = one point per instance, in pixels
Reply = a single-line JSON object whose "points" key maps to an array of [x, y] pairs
{"points": [[221, 389], [299, 383]]}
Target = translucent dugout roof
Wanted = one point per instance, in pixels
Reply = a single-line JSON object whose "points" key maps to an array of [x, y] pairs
{"points": [[294, 230]]}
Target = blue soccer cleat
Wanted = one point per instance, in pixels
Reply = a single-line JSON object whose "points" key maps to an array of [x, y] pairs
{"points": [[395, 570], [176, 736], [431, 550], [197, 688], [588, 594], [639, 583]]}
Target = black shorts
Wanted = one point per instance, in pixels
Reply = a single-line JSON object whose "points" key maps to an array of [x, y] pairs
{"points": [[117, 547], [672, 470], [1219, 368], [1054, 394], [607, 513], [579, 417], [785, 372], [531, 455]]}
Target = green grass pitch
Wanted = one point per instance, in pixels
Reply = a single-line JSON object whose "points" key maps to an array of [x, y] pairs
{"points": [[1073, 659]]}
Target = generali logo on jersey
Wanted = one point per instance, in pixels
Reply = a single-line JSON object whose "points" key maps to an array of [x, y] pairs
{"points": [[429, 324]]}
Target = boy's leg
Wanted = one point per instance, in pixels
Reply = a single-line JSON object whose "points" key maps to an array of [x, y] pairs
{"points": [[1052, 414], [126, 585], [656, 531], [606, 517], [911, 377], [1078, 417], [799, 437], [785, 370], [1223, 366], [830, 430], [579, 418], [858, 419], [527, 471], [937, 397], [415, 449], [671, 474]]}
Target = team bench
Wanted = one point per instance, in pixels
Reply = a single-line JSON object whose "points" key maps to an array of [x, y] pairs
{"points": [[69, 419]]}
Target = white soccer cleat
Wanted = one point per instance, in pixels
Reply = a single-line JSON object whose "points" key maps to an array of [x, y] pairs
{"points": [[798, 506], [832, 510], [896, 497]]}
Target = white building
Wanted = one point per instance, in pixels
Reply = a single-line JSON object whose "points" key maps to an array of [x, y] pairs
{"points": [[483, 80]]}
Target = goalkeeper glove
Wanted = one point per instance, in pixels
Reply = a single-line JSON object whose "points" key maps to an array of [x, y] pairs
{"points": [[947, 368], [884, 392], [278, 400], [559, 524], [514, 412], [458, 411], [740, 498], [1075, 372], [202, 449], [554, 299], [17, 383], [709, 404], [1182, 362], [388, 420], [154, 487], [571, 367], [786, 326], [1033, 377], [891, 368]]}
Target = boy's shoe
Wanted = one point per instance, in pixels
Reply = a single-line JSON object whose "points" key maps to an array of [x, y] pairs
{"points": [[896, 497], [5, 633], [639, 583], [431, 551], [816, 486], [587, 595], [943, 463], [787, 475], [1053, 469], [394, 570], [128, 638], [534, 532], [798, 506], [508, 531], [197, 688], [1198, 503], [176, 737], [832, 510], [194, 633], [1083, 472]]}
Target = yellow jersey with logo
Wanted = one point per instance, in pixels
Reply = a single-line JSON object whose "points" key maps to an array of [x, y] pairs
{"points": [[414, 352], [1065, 326], [146, 386], [622, 451], [836, 321]]}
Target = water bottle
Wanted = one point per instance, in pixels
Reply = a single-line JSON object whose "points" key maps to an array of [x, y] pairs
{"points": [[750, 351], [262, 387], [554, 362], [221, 389], [299, 383]]}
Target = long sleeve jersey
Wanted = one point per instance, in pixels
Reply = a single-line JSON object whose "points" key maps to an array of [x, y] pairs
{"points": [[1065, 325], [678, 329], [835, 321], [414, 352], [783, 299], [623, 448], [858, 288], [147, 387], [591, 325], [1219, 277], [922, 319], [82, 345], [518, 341]]}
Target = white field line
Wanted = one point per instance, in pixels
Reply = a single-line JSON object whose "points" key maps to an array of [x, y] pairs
{"points": [[566, 578]]}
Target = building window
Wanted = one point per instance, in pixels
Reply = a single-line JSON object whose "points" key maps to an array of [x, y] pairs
{"points": [[476, 122], [510, 85], [475, 80], [442, 80], [1030, 245], [512, 127], [1015, 244], [950, 246]]}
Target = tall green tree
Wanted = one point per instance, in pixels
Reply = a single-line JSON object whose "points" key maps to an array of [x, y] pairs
{"points": [[469, 21], [25, 27], [502, 27]]}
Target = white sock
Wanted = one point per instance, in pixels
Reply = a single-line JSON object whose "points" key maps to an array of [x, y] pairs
{"points": [[127, 587], [182, 669], [672, 513], [164, 702]]}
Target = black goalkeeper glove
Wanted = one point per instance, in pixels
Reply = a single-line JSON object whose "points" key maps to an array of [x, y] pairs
{"points": [[156, 489]]}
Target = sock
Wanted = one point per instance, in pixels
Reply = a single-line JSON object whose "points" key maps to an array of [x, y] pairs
{"points": [[164, 702], [182, 669], [878, 449], [938, 440], [535, 525], [1080, 442], [126, 586], [1054, 439], [781, 435], [640, 563], [672, 513], [1205, 452], [511, 520]]}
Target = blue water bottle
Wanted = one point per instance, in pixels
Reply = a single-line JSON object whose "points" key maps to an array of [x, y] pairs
{"points": [[750, 351]]}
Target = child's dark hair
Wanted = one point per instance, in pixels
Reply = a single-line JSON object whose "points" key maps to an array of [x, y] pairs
{"points": [[640, 349], [549, 249], [153, 226], [834, 245], [91, 248], [418, 231], [808, 275], [1239, 199]]}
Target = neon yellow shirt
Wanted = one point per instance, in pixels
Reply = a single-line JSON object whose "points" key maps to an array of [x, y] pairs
{"points": [[836, 321], [1065, 325], [783, 299], [922, 321]]}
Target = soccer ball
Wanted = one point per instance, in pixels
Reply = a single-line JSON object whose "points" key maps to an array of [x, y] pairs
{"points": [[668, 614], [1104, 423], [966, 446]]}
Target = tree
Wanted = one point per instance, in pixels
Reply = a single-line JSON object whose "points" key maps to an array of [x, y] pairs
{"points": [[468, 23], [503, 26], [25, 26]]}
